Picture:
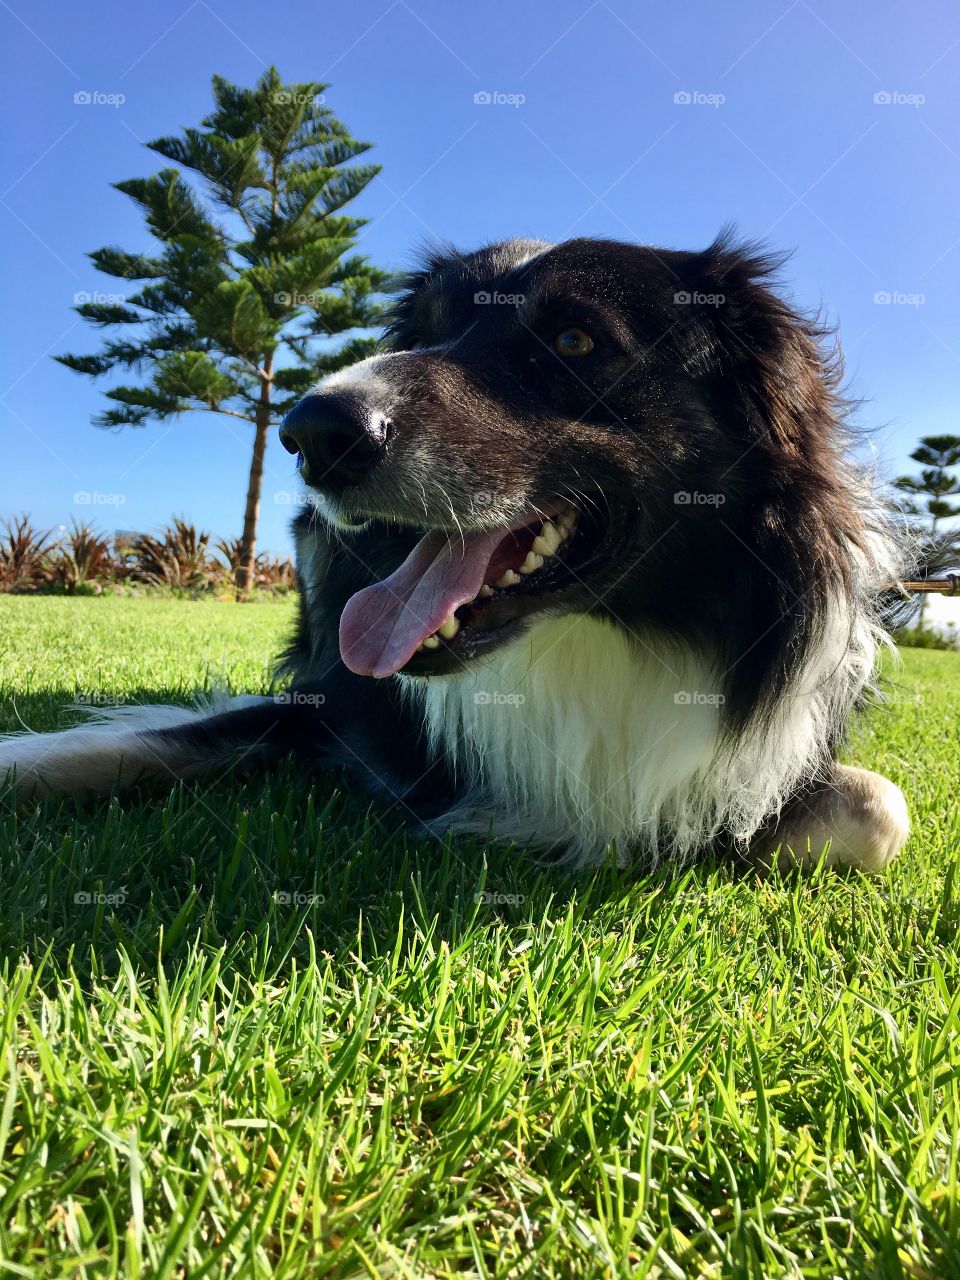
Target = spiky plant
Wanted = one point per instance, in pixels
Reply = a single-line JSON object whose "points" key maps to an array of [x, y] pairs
{"points": [[82, 556], [270, 572], [179, 558], [25, 555]]}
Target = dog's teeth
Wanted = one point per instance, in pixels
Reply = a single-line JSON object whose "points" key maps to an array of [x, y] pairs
{"points": [[532, 563], [509, 579], [449, 628], [431, 642], [485, 592], [548, 539]]}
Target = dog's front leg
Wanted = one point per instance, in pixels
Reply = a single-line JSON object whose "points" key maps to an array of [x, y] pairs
{"points": [[861, 814], [126, 745]]}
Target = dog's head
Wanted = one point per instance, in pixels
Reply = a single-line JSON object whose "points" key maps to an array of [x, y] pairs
{"points": [[589, 427]]}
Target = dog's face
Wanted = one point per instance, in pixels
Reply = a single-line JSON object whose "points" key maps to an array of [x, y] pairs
{"points": [[568, 426]]}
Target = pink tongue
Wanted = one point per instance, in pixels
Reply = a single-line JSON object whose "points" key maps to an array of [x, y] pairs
{"points": [[382, 625]]}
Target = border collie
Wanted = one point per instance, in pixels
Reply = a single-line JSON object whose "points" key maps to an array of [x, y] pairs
{"points": [[585, 564]]}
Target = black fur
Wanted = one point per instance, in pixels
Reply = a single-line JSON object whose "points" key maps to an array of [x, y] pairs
{"points": [[731, 393], [702, 380], [738, 399]]}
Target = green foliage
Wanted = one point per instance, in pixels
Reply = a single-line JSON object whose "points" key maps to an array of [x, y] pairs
{"points": [[275, 162], [108, 313], [126, 266], [252, 1029], [233, 318], [938, 455], [193, 374], [255, 259], [928, 638]]}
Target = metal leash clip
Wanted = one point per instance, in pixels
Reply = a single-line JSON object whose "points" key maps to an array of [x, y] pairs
{"points": [[947, 586]]}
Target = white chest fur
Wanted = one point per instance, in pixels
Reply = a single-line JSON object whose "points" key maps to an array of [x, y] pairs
{"points": [[576, 737]]}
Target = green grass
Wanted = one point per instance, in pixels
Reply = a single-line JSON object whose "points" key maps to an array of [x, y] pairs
{"points": [[696, 1074]]}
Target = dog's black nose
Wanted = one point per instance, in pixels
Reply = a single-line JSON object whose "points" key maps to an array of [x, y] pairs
{"points": [[337, 435]]}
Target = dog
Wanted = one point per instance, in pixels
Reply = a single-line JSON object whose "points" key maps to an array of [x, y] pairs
{"points": [[586, 563]]}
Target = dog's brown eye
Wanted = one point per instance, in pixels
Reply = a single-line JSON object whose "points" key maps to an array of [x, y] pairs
{"points": [[573, 342]]}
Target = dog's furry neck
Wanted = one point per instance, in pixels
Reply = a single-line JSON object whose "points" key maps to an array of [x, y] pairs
{"points": [[578, 737]]}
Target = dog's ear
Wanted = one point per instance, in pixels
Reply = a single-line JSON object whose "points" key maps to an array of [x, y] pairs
{"points": [[779, 366], [401, 315], [774, 386]]}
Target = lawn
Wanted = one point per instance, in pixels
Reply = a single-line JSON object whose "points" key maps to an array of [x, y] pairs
{"points": [[250, 1030]]}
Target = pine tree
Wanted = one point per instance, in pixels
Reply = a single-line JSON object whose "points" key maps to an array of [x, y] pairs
{"points": [[938, 456], [248, 276]]}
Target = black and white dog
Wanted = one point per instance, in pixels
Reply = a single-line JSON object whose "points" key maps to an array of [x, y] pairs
{"points": [[585, 563]]}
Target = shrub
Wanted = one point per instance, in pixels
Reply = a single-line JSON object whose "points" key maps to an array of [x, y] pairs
{"points": [[83, 561], [82, 558], [270, 574], [179, 558], [25, 555], [928, 638], [276, 575]]}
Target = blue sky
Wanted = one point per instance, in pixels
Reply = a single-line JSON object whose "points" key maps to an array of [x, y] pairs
{"points": [[783, 134]]}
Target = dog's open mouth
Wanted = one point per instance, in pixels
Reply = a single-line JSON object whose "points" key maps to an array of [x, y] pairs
{"points": [[454, 597]]}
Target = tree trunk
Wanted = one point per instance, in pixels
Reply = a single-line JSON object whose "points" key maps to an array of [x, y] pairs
{"points": [[246, 570]]}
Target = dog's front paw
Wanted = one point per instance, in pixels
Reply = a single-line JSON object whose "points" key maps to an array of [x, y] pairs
{"points": [[860, 818]]}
